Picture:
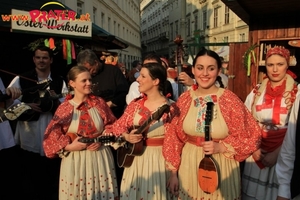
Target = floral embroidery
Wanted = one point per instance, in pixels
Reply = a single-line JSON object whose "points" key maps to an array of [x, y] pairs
{"points": [[201, 103]]}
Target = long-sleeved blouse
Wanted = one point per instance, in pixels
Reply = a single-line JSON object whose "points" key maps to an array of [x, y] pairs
{"points": [[243, 131], [126, 122], [56, 137]]}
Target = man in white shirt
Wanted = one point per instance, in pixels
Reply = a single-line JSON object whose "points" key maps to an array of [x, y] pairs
{"points": [[288, 161], [38, 175], [133, 90]]}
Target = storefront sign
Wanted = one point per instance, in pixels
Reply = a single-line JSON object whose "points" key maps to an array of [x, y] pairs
{"points": [[59, 22]]}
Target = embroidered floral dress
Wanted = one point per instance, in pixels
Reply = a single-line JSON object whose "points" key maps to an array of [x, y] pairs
{"points": [[147, 177], [271, 108], [84, 174], [232, 125]]}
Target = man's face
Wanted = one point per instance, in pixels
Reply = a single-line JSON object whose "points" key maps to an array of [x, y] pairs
{"points": [[139, 66], [93, 69], [42, 60]]}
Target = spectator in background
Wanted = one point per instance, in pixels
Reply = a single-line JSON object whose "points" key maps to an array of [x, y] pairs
{"points": [[171, 76], [123, 69], [133, 90], [109, 82], [136, 67], [222, 80]]}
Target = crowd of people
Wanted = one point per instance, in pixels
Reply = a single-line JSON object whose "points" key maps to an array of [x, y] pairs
{"points": [[100, 133]]}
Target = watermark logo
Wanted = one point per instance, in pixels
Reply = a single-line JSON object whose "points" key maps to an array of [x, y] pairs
{"points": [[60, 21]]}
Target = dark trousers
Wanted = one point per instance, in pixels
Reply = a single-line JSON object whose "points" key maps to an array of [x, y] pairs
{"points": [[119, 170], [30, 176]]}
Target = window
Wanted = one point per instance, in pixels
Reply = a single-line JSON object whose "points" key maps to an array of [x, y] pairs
{"points": [[115, 27], [188, 26], [171, 30], [108, 24], [242, 37], [102, 19], [176, 28], [94, 14], [79, 7], [196, 23], [225, 39], [226, 15], [204, 17], [216, 12]]}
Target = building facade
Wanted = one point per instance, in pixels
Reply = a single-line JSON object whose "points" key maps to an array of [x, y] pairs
{"points": [[199, 22], [118, 17]]}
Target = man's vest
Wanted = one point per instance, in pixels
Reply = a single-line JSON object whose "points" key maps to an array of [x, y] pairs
{"points": [[39, 95]]}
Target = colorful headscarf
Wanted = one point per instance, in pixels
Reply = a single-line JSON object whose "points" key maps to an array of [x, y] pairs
{"points": [[279, 51]]}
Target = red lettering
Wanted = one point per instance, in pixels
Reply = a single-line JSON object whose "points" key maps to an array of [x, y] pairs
{"points": [[63, 15], [34, 14], [58, 13], [72, 15], [51, 14], [5, 17], [24, 17], [43, 16], [15, 17]]}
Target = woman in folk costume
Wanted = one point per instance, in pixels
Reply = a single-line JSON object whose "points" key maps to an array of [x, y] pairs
{"points": [[234, 133], [270, 103], [146, 177], [87, 169]]}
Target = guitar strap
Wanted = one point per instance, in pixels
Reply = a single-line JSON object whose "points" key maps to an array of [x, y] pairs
{"points": [[145, 133]]}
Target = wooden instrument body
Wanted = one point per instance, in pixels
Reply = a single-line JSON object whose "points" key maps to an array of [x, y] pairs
{"points": [[126, 152], [208, 178], [125, 155]]}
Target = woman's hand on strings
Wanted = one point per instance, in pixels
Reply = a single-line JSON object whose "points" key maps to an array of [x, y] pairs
{"points": [[132, 137], [93, 146], [76, 145]]}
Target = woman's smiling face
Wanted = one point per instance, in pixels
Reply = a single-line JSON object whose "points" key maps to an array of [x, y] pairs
{"points": [[206, 71]]}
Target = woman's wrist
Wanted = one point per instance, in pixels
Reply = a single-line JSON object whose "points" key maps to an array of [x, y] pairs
{"points": [[124, 136]]}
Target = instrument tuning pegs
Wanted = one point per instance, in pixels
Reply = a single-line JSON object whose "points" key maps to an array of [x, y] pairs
{"points": [[215, 113]]}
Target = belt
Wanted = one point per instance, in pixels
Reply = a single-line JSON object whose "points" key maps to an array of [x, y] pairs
{"points": [[154, 142], [197, 140]]}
